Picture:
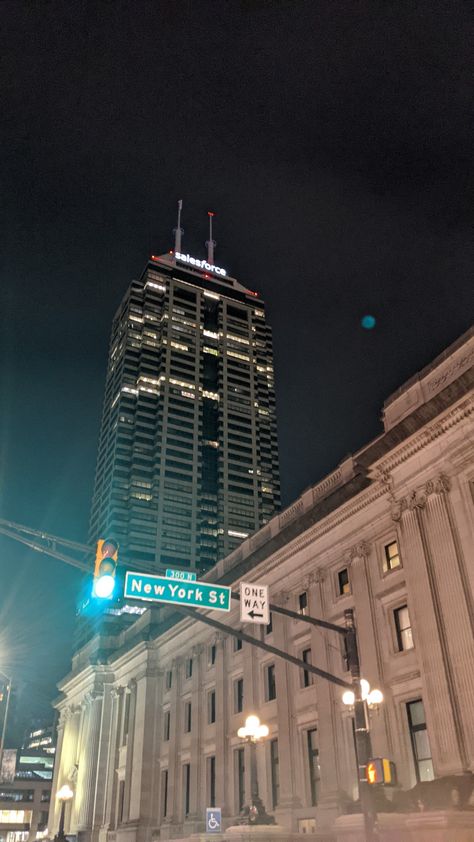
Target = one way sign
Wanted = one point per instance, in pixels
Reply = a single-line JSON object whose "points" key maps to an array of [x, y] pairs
{"points": [[254, 606]]}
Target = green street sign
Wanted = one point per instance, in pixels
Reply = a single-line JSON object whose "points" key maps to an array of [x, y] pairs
{"points": [[161, 589]]}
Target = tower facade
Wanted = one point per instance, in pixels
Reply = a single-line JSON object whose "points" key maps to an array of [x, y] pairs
{"points": [[188, 458]]}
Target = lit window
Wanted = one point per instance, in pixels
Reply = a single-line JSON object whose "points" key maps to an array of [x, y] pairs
{"points": [[403, 628], [270, 684], [343, 582], [303, 603], [419, 741], [239, 695], [391, 557]]}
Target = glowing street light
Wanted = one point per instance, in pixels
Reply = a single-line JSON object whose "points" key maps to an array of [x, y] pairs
{"points": [[373, 698], [63, 795], [252, 732]]}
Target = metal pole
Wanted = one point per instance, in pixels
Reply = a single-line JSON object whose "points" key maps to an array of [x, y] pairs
{"points": [[60, 834], [5, 717], [362, 733]]}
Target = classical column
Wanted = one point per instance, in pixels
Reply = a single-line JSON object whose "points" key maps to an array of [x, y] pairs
{"points": [[223, 756], [368, 637], [153, 731], [108, 818], [132, 689], [287, 737], [455, 604], [104, 748], [430, 638], [176, 725], [54, 808], [324, 698], [198, 772], [87, 776]]}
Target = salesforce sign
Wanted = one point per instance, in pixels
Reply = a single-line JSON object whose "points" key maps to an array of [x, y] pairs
{"points": [[200, 264]]}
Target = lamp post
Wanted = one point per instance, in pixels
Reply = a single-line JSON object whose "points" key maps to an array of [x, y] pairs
{"points": [[360, 699], [252, 732], [8, 682], [63, 795]]}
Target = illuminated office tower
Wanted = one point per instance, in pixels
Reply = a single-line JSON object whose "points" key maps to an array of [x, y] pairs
{"points": [[188, 458]]}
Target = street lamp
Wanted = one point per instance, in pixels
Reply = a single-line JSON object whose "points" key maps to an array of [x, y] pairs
{"points": [[252, 732], [63, 795]]}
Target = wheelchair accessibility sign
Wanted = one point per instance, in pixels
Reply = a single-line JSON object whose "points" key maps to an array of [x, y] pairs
{"points": [[213, 820]]}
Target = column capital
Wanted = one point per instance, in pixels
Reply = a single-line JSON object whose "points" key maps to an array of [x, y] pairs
{"points": [[360, 550], [439, 485]]}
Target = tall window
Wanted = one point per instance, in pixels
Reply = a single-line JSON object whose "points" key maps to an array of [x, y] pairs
{"points": [[237, 644], [403, 628], [239, 695], [419, 741], [166, 726], [164, 793], [169, 679], [303, 603], [274, 761], [186, 787], [343, 582], [212, 661], [313, 760], [270, 685], [188, 669], [269, 628], [211, 780], [239, 760], [391, 556], [121, 799], [211, 710], [187, 716], [307, 676]]}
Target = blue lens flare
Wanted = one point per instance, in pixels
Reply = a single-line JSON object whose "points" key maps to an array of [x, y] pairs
{"points": [[368, 322]]}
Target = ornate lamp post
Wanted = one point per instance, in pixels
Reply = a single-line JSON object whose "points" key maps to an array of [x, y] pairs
{"points": [[63, 795], [252, 732]]}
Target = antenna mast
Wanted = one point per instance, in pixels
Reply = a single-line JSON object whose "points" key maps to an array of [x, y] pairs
{"points": [[210, 243], [178, 232]]}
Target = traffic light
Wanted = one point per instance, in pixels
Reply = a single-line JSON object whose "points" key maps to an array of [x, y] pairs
{"points": [[380, 770], [106, 559]]}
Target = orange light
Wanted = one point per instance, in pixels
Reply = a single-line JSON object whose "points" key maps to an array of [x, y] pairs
{"points": [[210, 213], [372, 773]]}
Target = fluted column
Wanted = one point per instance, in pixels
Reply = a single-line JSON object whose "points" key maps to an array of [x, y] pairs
{"points": [[174, 812], [436, 671], [132, 689], [105, 746], [223, 758], [368, 637], [324, 698], [88, 763], [198, 772], [287, 737], [54, 807], [455, 606], [108, 819]]}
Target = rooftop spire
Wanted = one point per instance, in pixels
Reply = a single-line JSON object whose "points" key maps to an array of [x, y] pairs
{"points": [[178, 231], [210, 243]]}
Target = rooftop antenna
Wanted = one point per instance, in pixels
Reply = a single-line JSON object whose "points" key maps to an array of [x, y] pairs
{"points": [[178, 232], [210, 243]]}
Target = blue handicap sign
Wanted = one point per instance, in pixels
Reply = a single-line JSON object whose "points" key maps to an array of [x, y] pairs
{"points": [[213, 820]]}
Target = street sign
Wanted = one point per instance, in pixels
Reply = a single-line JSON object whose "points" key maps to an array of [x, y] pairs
{"points": [[254, 605], [182, 575], [160, 589], [213, 820]]}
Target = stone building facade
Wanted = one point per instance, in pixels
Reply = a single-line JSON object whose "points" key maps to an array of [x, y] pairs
{"points": [[149, 718]]}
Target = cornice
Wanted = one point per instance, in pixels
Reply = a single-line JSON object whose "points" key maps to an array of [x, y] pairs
{"points": [[423, 438]]}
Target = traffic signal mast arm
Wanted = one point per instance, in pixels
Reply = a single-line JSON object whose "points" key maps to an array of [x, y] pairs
{"points": [[314, 621]]}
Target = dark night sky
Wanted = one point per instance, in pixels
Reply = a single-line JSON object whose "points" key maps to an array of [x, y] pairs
{"points": [[334, 141]]}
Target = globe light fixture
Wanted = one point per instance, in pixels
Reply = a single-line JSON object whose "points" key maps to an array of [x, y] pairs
{"points": [[253, 730], [374, 698]]}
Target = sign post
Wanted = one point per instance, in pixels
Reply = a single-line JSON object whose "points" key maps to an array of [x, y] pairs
{"points": [[162, 589], [213, 820], [254, 604]]}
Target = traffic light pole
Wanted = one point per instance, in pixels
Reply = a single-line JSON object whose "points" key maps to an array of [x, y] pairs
{"points": [[362, 733]]}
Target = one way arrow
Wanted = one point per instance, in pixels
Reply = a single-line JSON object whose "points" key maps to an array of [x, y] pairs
{"points": [[253, 614]]}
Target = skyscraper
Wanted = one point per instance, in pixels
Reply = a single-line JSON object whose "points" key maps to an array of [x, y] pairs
{"points": [[188, 459]]}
